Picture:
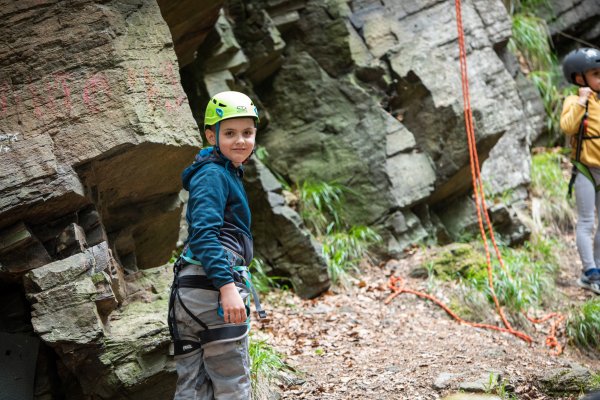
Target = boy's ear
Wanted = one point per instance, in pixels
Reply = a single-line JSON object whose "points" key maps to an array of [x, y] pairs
{"points": [[210, 136], [579, 79]]}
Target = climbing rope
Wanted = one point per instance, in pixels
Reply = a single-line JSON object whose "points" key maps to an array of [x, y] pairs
{"points": [[395, 284]]}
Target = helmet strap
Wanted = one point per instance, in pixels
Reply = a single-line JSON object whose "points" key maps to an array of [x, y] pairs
{"points": [[217, 128], [585, 80]]}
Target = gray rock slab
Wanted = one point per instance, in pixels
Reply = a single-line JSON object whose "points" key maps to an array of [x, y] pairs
{"points": [[443, 380], [573, 379], [483, 383], [471, 396]]}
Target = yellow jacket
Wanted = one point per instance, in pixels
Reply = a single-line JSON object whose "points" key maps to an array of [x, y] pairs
{"points": [[570, 119]]}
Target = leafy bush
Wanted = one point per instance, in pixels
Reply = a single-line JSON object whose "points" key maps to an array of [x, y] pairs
{"points": [[583, 325]]}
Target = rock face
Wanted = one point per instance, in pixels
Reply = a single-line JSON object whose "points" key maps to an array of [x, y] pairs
{"points": [[574, 19], [385, 116], [95, 129], [112, 354], [100, 144]]}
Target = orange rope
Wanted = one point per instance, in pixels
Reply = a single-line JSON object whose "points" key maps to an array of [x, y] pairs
{"points": [[478, 191], [551, 339], [395, 284], [399, 289]]}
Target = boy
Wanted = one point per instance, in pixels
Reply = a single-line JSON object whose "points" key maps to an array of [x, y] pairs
{"points": [[580, 119], [208, 311]]}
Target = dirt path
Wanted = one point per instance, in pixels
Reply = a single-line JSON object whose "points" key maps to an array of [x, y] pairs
{"points": [[351, 346]]}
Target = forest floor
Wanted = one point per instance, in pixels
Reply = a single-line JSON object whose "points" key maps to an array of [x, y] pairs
{"points": [[348, 344]]}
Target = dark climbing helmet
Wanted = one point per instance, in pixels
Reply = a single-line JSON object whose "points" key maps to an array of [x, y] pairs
{"points": [[579, 61]]}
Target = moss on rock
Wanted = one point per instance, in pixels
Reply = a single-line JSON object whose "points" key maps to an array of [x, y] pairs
{"points": [[458, 260]]}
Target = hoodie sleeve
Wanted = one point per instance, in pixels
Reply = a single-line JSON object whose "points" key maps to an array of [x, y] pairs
{"points": [[571, 115], [206, 206]]}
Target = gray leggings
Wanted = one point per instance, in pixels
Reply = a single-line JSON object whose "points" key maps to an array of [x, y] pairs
{"points": [[588, 202]]}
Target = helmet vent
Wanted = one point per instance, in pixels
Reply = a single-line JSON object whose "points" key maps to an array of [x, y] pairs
{"points": [[222, 105]]}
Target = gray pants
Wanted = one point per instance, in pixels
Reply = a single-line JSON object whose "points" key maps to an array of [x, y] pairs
{"points": [[219, 370], [588, 202]]}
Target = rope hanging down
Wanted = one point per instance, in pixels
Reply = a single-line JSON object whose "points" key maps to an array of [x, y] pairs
{"points": [[395, 284]]}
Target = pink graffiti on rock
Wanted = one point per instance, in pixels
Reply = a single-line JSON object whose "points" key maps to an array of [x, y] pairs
{"points": [[94, 86]]}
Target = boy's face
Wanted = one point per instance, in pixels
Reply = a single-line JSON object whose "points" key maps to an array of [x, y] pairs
{"points": [[236, 139], [593, 79]]}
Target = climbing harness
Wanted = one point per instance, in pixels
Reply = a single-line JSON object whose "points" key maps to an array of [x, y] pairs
{"points": [[577, 165], [208, 334], [395, 283]]}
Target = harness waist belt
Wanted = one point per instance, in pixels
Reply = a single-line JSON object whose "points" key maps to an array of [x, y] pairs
{"points": [[195, 281]]}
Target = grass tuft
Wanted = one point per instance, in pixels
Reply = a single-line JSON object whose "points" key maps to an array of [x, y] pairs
{"points": [[550, 206], [344, 246], [528, 282], [344, 250], [267, 366], [583, 325], [262, 282], [321, 204]]}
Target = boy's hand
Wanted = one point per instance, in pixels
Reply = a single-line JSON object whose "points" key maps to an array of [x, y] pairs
{"points": [[584, 95], [234, 310]]}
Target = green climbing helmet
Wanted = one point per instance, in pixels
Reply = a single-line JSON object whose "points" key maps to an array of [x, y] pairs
{"points": [[227, 105]]}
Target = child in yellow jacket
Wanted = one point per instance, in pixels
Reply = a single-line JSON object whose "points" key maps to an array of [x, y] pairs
{"points": [[580, 119]]}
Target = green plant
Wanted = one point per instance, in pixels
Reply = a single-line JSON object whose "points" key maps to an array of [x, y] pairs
{"points": [[595, 381], [262, 282], [532, 44], [547, 83], [501, 390], [267, 366], [549, 188], [321, 208], [527, 282], [529, 6], [344, 250], [261, 153], [531, 38], [320, 203], [583, 325]]}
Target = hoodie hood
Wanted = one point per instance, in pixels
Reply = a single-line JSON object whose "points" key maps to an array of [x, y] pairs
{"points": [[203, 157]]}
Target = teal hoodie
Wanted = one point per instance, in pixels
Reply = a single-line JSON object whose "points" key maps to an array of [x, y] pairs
{"points": [[218, 214]]}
